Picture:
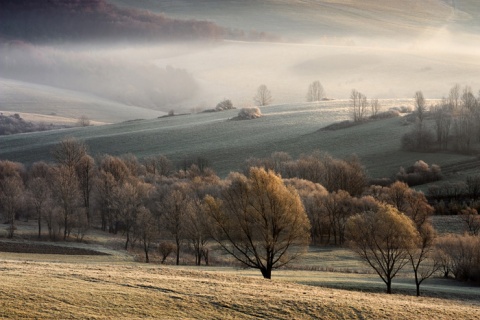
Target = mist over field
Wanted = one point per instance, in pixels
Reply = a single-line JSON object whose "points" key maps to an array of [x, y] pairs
{"points": [[189, 55]]}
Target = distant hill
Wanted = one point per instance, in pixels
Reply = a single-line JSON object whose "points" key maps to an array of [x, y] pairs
{"points": [[322, 18], [74, 20], [30, 98]]}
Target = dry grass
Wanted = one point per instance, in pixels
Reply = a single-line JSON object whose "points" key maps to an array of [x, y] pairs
{"points": [[64, 290]]}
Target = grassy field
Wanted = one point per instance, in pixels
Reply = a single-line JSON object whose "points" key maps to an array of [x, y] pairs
{"points": [[292, 128], [326, 283], [97, 291]]}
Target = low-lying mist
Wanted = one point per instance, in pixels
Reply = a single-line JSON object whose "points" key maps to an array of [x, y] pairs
{"points": [[186, 75]]}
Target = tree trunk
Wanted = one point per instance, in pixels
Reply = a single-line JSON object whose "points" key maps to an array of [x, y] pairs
{"points": [[178, 251], [389, 286], [145, 248], [39, 226], [266, 273]]}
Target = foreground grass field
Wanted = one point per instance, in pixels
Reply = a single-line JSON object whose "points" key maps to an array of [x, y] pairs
{"points": [[326, 283], [99, 291]]}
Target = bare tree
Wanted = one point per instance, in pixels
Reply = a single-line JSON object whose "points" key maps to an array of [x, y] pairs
{"points": [[421, 255], [85, 173], [259, 221], [158, 165], [420, 107], [66, 193], [40, 197], [359, 105], [263, 96], [382, 238], [146, 230], [315, 92], [11, 200], [454, 97], [375, 107], [83, 121], [69, 152], [174, 207]]}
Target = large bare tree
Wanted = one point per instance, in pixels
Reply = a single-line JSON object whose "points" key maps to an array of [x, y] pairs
{"points": [[259, 221]]}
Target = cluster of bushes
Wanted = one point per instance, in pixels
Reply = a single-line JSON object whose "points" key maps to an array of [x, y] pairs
{"points": [[419, 173], [15, 124]]}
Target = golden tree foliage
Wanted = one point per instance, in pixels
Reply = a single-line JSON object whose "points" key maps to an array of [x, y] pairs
{"points": [[259, 221], [382, 238]]}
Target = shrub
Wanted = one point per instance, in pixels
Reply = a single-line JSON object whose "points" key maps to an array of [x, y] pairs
{"points": [[460, 255], [420, 139], [249, 113], [224, 105], [386, 114], [419, 173]]}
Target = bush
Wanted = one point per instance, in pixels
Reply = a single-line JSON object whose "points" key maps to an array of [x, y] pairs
{"points": [[224, 105], [419, 173], [460, 255], [418, 140], [386, 114], [249, 113]]}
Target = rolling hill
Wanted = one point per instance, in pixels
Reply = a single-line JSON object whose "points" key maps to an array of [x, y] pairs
{"points": [[226, 143], [24, 97]]}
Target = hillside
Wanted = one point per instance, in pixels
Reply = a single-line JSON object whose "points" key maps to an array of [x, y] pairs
{"points": [[312, 19], [122, 290], [226, 144], [50, 102]]}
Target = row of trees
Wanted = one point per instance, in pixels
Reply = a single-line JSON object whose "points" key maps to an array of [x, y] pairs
{"points": [[455, 122], [260, 219], [315, 92]]}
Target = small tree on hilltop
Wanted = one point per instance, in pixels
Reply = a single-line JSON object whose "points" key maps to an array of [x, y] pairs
{"points": [[315, 92], [259, 221], [263, 96]]}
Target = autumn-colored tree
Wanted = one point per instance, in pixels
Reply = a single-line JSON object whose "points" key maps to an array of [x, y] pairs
{"points": [[259, 221], [382, 238], [401, 196], [421, 255]]}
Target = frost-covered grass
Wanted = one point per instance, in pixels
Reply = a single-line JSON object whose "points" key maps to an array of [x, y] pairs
{"points": [[52, 290], [292, 128]]}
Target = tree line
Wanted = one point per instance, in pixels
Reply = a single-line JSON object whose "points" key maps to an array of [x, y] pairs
{"points": [[264, 217]]}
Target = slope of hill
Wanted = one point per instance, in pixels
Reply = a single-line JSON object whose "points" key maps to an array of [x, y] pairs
{"points": [[226, 144], [93, 20], [64, 290], [23, 97], [317, 18]]}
